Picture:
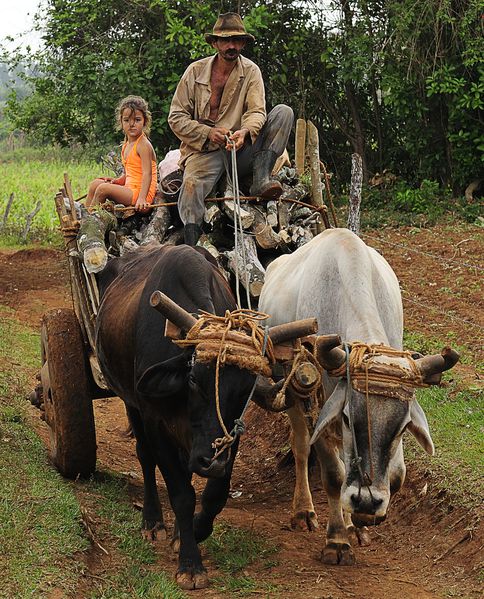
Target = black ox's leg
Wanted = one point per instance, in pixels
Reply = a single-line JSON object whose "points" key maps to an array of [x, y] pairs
{"points": [[190, 574], [153, 527], [214, 498]]}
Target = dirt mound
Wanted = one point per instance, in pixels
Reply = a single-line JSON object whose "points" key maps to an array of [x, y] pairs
{"points": [[33, 281]]}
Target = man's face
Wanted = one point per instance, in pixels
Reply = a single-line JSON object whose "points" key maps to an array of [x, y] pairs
{"points": [[229, 48]]}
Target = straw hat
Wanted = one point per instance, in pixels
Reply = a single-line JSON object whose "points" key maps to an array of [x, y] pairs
{"points": [[228, 25]]}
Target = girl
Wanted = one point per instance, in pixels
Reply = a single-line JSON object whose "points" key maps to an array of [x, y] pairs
{"points": [[137, 187]]}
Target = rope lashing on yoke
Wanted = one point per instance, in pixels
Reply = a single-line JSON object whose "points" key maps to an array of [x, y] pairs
{"points": [[390, 379], [302, 354], [236, 339]]}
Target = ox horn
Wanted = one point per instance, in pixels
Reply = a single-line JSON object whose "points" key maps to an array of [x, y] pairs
{"points": [[293, 330], [431, 367], [172, 311], [266, 392], [329, 354]]}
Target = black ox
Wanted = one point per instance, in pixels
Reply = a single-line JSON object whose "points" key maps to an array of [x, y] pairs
{"points": [[169, 396]]}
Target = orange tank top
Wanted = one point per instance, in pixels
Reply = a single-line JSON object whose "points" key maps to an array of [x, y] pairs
{"points": [[133, 170]]}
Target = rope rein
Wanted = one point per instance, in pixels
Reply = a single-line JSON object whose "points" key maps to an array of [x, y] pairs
{"points": [[239, 246], [236, 339], [368, 376]]}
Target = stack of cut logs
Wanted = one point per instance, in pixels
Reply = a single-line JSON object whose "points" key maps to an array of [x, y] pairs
{"points": [[271, 228]]}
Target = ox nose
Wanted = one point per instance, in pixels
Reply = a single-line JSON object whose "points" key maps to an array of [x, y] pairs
{"points": [[367, 504], [210, 469]]}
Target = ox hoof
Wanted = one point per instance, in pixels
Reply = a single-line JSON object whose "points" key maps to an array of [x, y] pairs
{"points": [[304, 520], [363, 536], [338, 554], [189, 581], [154, 534]]}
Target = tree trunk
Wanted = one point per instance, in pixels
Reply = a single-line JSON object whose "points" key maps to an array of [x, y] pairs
{"points": [[90, 239]]}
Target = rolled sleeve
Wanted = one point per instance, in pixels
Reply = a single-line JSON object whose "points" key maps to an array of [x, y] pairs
{"points": [[184, 126], [254, 115]]}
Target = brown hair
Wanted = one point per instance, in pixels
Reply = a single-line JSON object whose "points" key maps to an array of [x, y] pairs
{"points": [[133, 103]]}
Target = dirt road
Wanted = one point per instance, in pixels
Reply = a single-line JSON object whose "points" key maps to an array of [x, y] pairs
{"points": [[424, 549]]}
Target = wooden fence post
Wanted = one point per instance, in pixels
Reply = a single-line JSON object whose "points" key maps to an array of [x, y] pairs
{"points": [[300, 149], [316, 186], [355, 193]]}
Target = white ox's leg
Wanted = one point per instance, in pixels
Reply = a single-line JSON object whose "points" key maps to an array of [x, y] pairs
{"points": [[303, 514], [338, 548]]}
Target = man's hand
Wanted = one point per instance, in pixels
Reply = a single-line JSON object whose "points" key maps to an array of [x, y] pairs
{"points": [[238, 137], [217, 135]]}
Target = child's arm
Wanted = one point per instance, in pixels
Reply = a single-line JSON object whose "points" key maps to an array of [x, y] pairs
{"points": [[145, 152], [119, 180]]}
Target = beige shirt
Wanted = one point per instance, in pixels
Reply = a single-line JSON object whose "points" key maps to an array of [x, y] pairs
{"points": [[242, 105]]}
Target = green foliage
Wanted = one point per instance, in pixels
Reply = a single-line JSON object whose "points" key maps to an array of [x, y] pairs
{"points": [[456, 422], [399, 82], [420, 200], [37, 180], [400, 203]]}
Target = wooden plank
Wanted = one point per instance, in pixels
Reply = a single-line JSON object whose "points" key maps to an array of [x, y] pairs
{"points": [[316, 186], [312, 143], [300, 145], [70, 195]]}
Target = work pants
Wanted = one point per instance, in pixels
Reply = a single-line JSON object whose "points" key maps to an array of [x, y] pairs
{"points": [[203, 170]]}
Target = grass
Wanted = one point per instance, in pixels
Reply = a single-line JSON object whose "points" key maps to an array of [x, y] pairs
{"points": [[135, 574], [42, 536], [233, 549], [38, 180], [40, 522], [456, 422]]}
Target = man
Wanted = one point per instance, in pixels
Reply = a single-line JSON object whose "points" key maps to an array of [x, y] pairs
{"points": [[218, 98]]}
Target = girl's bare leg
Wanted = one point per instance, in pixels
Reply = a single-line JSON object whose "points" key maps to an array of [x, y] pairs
{"points": [[92, 190], [118, 193]]}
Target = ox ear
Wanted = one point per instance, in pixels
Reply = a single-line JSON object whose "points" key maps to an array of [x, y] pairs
{"points": [[164, 378], [331, 410], [419, 427]]}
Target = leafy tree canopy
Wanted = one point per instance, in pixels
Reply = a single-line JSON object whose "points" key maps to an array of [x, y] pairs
{"points": [[397, 81]]}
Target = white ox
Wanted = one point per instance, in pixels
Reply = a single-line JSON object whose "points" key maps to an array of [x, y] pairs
{"points": [[354, 293]]}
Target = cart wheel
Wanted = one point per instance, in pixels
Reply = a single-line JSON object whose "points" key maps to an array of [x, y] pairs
{"points": [[67, 402]]}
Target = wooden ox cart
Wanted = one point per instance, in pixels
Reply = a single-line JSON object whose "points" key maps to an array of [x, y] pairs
{"points": [[70, 376]]}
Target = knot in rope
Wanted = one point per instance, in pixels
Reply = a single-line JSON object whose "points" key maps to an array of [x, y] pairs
{"points": [[235, 338], [302, 354], [381, 370]]}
